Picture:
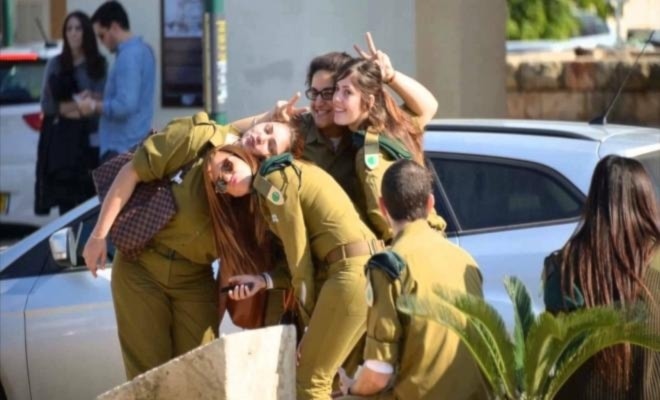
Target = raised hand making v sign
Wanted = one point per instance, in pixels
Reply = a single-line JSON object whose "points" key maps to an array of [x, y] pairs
{"points": [[380, 58], [418, 99]]}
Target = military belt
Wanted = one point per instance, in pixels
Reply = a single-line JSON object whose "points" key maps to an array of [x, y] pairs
{"points": [[165, 251], [355, 249]]}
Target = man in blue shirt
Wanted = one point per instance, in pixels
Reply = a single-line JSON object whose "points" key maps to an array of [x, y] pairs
{"points": [[127, 108]]}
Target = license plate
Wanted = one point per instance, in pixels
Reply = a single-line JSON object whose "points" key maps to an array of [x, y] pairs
{"points": [[4, 203]]}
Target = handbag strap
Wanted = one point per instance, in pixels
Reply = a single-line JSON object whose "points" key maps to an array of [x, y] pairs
{"points": [[177, 176]]}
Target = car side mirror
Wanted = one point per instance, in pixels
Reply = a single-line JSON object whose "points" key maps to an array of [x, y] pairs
{"points": [[63, 248]]}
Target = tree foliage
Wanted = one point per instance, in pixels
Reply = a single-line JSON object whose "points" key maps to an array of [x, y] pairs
{"points": [[544, 351], [549, 19]]}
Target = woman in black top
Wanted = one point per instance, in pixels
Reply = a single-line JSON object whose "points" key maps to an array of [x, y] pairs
{"points": [[68, 144]]}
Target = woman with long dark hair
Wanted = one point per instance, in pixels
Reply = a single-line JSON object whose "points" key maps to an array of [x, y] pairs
{"points": [[612, 259], [68, 144], [383, 132]]}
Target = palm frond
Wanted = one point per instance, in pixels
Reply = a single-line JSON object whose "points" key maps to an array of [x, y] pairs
{"points": [[568, 331], [488, 325], [635, 333], [492, 329], [522, 307], [443, 313], [541, 340]]}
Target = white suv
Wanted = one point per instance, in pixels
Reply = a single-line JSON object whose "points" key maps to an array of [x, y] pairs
{"points": [[21, 76]]}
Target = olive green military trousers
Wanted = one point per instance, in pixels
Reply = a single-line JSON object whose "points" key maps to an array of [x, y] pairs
{"points": [[337, 323], [163, 307]]}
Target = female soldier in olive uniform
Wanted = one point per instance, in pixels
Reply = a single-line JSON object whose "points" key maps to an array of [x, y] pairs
{"points": [[326, 246], [383, 132], [167, 298], [407, 357]]}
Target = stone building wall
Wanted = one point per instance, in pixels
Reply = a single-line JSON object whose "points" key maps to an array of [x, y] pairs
{"points": [[580, 88]]}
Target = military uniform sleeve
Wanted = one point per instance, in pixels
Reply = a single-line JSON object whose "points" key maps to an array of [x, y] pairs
{"points": [[370, 180], [280, 273], [163, 153], [287, 222], [384, 329]]}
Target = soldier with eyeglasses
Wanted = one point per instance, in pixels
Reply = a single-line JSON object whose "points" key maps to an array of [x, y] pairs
{"points": [[327, 144]]}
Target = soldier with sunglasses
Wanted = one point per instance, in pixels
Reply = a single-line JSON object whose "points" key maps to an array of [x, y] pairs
{"points": [[326, 247], [167, 298]]}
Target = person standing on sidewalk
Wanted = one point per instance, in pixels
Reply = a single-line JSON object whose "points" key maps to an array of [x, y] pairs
{"points": [[127, 108]]}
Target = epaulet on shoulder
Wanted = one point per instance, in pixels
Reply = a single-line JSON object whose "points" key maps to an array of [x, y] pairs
{"points": [[201, 118], [275, 163], [389, 262], [374, 143]]}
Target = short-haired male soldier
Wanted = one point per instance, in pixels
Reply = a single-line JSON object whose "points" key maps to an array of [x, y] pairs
{"points": [[410, 357], [127, 108]]}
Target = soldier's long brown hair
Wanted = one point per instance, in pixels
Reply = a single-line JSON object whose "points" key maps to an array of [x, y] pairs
{"points": [[385, 116], [241, 234], [608, 256]]}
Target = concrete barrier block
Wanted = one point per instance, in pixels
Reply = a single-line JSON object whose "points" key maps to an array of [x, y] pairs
{"points": [[253, 364]]}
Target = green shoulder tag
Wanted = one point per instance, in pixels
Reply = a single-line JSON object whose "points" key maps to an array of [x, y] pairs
{"points": [[268, 190], [371, 150], [389, 262]]}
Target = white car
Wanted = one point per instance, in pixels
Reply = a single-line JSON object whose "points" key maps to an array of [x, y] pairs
{"points": [[21, 74], [511, 192]]}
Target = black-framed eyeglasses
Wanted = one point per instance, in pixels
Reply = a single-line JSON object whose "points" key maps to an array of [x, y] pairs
{"points": [[326, 94]]}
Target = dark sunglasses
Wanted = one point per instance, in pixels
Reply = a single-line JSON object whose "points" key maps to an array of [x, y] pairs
{"points": [[227, 167], [326, 94]]}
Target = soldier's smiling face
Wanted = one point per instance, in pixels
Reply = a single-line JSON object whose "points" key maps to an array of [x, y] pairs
{"points": [[350, 107], [230, 174]]}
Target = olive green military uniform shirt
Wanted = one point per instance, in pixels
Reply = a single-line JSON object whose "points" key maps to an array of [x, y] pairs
{"points": [[339, 162], [429, 360], [190, 232], [311, 215], [371, 162]]}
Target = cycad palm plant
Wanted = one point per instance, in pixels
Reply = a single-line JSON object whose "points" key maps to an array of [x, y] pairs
{"points": [[544, 351]]}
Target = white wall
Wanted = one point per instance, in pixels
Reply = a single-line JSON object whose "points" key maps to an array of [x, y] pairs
{"points": [[644, 14], [461, 56], [271, 42]]}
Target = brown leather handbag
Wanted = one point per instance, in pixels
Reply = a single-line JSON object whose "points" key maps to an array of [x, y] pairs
{"points": [[248, 313], [149, 209]]}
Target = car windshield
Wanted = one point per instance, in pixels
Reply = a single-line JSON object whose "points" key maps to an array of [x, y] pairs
{"points": [[651, 162], [20, 82]]}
